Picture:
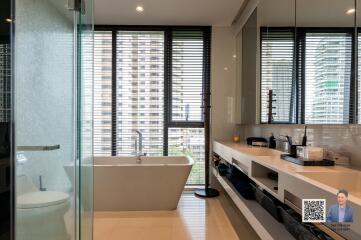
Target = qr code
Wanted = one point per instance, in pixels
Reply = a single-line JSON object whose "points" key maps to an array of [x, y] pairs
{"points": [[313, 210]]}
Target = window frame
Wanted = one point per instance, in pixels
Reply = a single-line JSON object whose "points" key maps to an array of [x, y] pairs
{"points": [[168, 122], [300, 66]]}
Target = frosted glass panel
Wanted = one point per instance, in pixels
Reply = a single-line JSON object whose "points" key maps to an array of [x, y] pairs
{"points": [[53, 119]]}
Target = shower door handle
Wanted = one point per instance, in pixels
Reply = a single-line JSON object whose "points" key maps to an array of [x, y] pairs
{"points": [[38, 148]]}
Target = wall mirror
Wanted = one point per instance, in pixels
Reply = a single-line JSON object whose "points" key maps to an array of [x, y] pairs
{"points": [[325, 31], [276, 21], [307, 57]]}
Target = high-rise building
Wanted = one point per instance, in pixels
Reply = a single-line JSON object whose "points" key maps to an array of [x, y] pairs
{"points": [[327, 78], [5, 82], [140, 98], [277, 75]]}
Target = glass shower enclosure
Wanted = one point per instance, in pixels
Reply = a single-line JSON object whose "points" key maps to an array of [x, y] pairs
{"points": [[52, 119]]}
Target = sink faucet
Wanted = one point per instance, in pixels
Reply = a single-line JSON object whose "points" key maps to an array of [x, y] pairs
{"points": [[284, 143], [140, 137], [139, 152]]}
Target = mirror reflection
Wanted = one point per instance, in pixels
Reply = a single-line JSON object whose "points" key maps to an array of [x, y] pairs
{"points": [[307, 65]]}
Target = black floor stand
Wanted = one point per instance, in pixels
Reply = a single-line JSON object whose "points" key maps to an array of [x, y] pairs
{"points": [[206, 193]]}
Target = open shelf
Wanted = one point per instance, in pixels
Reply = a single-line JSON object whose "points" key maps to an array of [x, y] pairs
{"points": [[261, 175], [263, 223]]}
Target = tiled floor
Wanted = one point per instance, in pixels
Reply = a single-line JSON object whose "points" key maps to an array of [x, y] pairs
{"points": [[195, 218]]}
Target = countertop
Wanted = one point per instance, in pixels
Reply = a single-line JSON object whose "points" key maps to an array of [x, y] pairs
{"points": [[271, 158], [277, 163]]}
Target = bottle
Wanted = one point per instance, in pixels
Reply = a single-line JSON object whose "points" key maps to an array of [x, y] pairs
{"points": [[272, 141]]}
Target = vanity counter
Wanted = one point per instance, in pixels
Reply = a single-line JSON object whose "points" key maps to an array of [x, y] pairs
{"points": [[294, 182], [270, 158]]}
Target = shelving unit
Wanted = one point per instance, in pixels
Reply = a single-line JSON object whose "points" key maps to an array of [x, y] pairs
{"points": [[263, 223], [260, 175]]}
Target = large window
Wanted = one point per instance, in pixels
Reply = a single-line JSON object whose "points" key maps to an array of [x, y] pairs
{"points": [[187, 73], [312, 82], [102, 93], [5, 75], [139, 90], [327, 77], [153, 81]]}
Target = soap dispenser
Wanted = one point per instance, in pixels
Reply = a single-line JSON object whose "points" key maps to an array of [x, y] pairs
{"points": [[272, 141]]}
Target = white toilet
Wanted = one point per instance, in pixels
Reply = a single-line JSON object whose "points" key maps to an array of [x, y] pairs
{"points": [[40, 214]]}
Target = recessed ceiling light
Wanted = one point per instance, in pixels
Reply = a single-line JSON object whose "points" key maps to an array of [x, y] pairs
{"points": [[350, 11], [139, 8], [9, 20]]}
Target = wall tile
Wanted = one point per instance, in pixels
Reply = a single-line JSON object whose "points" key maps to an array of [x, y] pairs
{"points": [[341, 138]]}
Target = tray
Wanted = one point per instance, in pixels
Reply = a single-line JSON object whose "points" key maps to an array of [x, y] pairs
{"points": [[324, 162]]}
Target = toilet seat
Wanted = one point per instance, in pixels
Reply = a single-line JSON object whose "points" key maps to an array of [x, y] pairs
{"points": [[41, 199]]}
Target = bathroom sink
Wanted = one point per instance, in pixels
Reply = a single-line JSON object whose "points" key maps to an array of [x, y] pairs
{"points": [[351, 181]]}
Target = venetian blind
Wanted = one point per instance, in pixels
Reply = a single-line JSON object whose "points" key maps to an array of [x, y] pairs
{"points": [[102, 93], [187, 76], [140, 91], [328, 58], [277, 74]]}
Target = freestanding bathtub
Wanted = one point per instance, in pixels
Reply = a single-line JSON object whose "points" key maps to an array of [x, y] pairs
{"points": [[122, 184]]}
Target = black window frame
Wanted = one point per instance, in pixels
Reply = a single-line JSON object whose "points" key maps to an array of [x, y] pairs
{"points": [[300, 66], [168, 122]]}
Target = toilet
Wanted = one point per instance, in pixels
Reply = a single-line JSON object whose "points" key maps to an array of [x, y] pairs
{"points": [[40, 214]]}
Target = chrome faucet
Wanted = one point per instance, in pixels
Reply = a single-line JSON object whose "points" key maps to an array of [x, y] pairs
{"points": [[139, 151], [283, 143], [140, 137]]}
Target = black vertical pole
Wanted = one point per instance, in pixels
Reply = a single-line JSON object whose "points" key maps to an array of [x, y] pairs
{"points": [[207, 192], [270, 106]]}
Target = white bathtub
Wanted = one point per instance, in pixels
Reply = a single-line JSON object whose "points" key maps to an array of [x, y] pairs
{"points": [[121, 184]]}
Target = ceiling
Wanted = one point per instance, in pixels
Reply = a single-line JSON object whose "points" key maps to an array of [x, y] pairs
{"points": [[167, 12], [309, 13]]}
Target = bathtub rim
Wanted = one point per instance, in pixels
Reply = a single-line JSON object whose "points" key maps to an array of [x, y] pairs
{"points": [[190, 162]]}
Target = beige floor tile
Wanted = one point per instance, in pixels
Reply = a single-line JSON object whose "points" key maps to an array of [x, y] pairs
{"points": [[195, 219]]}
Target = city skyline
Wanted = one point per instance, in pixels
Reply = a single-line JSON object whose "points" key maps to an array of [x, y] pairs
{"points": [[140, 97]]}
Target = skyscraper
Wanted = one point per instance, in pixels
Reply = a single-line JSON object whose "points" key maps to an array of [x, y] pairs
{"points": [[140, 97], [327, 78]]}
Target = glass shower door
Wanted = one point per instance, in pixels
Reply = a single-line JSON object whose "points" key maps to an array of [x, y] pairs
{"points": [[53, 119], [85, 36]]}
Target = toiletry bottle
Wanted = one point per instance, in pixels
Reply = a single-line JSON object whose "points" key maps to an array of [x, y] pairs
{"points": [[272, 141]]}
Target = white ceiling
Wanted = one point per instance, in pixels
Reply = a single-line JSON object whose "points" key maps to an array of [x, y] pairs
{"points": [[310, 13], [167, 12]]}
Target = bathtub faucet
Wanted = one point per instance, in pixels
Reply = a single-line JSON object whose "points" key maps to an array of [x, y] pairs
{"points": [[140, 137], [139, 152]]}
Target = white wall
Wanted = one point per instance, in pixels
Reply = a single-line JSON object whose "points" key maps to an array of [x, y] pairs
{"points": [[44, 90], [223, 83]]}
